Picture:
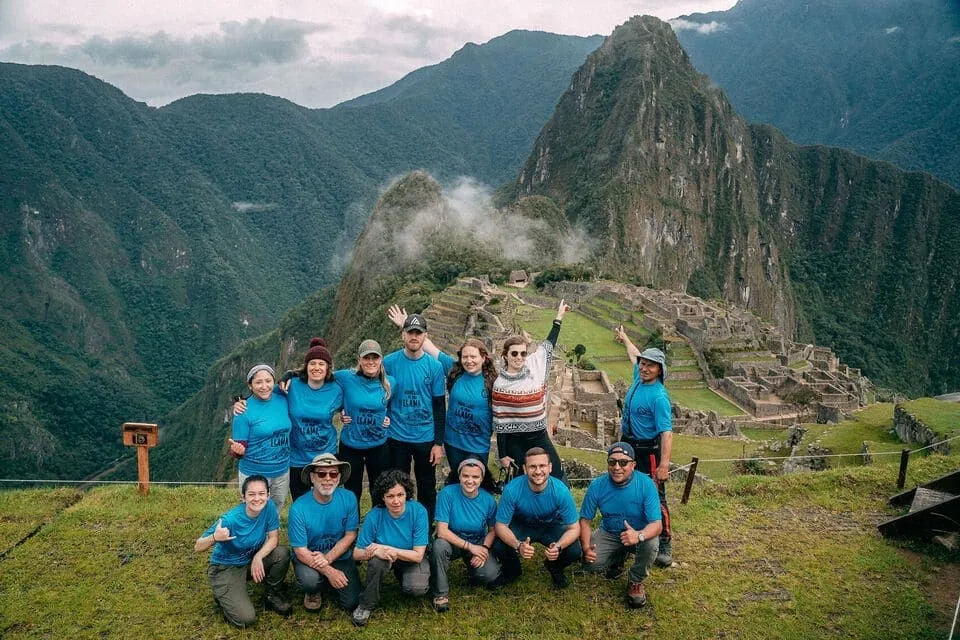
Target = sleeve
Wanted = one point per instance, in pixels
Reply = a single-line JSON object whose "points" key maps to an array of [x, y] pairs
{"points": [[368, 532], [446, 361], [491, 513], [421, 528], [273, 517], [507, 506], [442, 513], [588, 510], [568, 507], [353, 513], [240, 429], [554, 333], [663, 414], [297, 527]]}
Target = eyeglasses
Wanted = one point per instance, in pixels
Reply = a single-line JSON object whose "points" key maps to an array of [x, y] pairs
{"points": [[522, 354], [618, 462], [326, 474]]}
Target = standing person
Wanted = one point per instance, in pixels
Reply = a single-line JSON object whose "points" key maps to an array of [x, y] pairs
{"points": [[630, 512], [469, 423], [466, 515], [418, 410], [367, 391], [244, 542], [537, 508], [519, 398], [323, 526], [261, 434], [647, 426], [394, 535]]}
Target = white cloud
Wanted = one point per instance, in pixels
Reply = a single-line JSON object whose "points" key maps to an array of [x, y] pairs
{"points": [[890, 30], [679, 24]]}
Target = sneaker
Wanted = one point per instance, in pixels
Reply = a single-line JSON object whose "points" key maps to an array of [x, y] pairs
{"points": [[441, 604], [312, 601], [636, 595], [560, 580], [360, 616], [276, 601], [664, 555]]}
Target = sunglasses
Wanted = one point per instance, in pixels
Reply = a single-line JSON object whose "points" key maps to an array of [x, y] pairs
{"points": [[522, 354], [615, 462], [326, 474]]}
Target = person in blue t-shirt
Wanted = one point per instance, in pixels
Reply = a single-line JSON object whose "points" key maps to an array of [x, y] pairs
{"points": [[417, 410], [537, 508], [244, 542], [260, 436], [466, 515], [469, 381], [647, 426], [395, 534], [367, 391], [322, 527], [630, 512]]}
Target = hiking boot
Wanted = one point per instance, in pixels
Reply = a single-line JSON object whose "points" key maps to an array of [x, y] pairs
{"points": [[560, 580], [312, 601], [441, 604], [360, 616], [664, 555], [636, 595], [273, 599]]}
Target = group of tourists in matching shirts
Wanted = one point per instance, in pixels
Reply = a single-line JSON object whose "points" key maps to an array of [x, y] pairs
{"points": [[410, 409]]}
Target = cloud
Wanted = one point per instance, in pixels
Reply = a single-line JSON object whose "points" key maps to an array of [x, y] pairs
{"points": [[253, 207], [890, 30], [679, 24]]}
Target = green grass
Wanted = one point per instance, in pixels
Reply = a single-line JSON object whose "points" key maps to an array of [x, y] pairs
{"points": [[792, 557], [705, 400], [23, 511], [942, 417]]}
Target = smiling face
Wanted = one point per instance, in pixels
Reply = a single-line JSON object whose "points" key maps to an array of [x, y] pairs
{"points": [[470, 478], [471, 360], [316, 371], [538, 470], [370, 365], [261, 385], [413, 340], [325, 480], [255, 497], [649, 371], [515, 355], [620, 466], [395, 500]]}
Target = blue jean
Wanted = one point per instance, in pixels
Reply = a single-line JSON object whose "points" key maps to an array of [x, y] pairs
{"points": [[545, 534]]}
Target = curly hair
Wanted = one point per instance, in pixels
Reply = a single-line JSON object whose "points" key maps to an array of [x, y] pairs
{"points": [[487, 370], [388, 480]]}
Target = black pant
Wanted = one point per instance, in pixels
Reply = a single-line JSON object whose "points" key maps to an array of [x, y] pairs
{"points": [[456, 455], [297, 486], [424, 473], [516, 446], [648, 459], [375, 459]]}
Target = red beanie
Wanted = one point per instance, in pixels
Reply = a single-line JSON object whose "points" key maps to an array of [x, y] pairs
{"points": [[318, 351]]}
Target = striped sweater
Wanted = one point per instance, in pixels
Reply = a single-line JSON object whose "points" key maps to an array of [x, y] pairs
{"points": [[519, 400]]}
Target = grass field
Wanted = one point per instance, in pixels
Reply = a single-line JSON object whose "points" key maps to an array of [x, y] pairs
{"points": [[942, 417], [792, 557]]}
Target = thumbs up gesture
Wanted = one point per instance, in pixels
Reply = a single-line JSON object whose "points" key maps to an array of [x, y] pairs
{"points": [[553, 551], [630, 536], [222, 533], [526, 549]]}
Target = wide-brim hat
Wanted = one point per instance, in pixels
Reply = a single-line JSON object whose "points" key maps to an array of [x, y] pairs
{"points": [[325, 461], [655, 355]]}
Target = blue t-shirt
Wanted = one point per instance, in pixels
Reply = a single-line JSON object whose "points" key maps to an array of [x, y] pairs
{"points": [[320, 526], [365, 401], [469, 420], [646, 409], [411, 407], [250, 534], [552, 506], [469, 518], [637, 502], [265, 425], [410, 530], [311, 416]]}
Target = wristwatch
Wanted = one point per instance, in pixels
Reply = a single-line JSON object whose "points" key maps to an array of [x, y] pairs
{"points": [[640, 533]]}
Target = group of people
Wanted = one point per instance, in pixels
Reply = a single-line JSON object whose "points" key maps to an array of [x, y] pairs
{"points": [[410, 408]]}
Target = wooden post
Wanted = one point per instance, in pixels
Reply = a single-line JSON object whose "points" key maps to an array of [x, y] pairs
{"points": [[143, 436], [904, 459], [691, 474]]}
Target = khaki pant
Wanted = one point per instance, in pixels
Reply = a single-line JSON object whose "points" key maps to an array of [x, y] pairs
{"points": [[229, 584]]}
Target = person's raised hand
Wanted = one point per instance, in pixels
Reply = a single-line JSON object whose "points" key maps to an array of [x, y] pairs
{"points": [[224, 533], [526, 549], [239, 407], [237, 448], [553, 551], [629, 536], [397, 315]]}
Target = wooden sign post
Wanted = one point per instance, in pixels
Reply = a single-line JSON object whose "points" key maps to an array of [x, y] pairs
{"points": [[141, 435]]}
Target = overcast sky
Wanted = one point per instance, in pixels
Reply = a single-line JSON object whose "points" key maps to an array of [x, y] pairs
{"points": [[314, 52]]}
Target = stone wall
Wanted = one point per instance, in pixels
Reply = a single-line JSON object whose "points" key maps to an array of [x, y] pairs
{"points": [[912, 430]]}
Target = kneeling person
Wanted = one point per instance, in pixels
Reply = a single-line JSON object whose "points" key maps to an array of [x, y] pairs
{"points": [[323, 526], [465, 518], [537, 508], [630, 511], [244, 542]]}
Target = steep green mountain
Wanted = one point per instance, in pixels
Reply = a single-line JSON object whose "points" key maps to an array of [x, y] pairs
{"points": [[880, 77], [141, 244], [679, 191]]}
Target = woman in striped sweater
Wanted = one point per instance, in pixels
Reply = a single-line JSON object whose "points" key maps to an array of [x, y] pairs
{"points": [[519, 398]]}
